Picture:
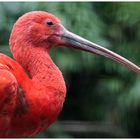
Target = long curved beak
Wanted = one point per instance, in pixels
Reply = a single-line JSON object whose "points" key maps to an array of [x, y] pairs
{"points": [[75, 41]]}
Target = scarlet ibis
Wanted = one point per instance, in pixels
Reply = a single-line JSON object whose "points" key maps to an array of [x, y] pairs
{"points": [[32, 88]]}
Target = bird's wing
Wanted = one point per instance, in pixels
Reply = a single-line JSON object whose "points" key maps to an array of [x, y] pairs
{"points": [[11, 94], [8, 87], [13, 78], [8, 92]]}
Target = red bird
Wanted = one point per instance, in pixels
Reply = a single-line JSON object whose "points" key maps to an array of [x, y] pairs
{"points": [[32, 88]]}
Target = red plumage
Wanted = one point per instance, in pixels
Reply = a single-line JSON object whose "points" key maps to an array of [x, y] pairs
{"points": [[35, 102]]}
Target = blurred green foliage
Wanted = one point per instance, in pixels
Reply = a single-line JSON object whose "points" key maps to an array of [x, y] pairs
{"points": [[98, 89]]}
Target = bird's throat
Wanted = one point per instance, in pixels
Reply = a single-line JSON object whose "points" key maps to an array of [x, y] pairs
{"points": [[42, 70], [38, 63]]}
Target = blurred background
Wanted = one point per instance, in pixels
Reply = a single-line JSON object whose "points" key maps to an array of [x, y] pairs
{"points": [[103, 97]]}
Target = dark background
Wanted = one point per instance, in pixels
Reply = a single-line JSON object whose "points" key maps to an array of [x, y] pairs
{"points": [[103, 97]]}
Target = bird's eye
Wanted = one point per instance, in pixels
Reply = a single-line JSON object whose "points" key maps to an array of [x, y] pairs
{"points": [[49, 23]]}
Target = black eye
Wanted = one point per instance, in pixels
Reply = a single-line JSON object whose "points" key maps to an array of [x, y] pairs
{"points": [[49, 23]]}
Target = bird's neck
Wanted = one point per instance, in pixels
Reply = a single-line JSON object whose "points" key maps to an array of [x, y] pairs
{"points": [[38, 63]]}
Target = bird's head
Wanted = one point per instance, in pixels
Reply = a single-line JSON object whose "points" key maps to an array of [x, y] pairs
{"points": [[42, 29]]}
